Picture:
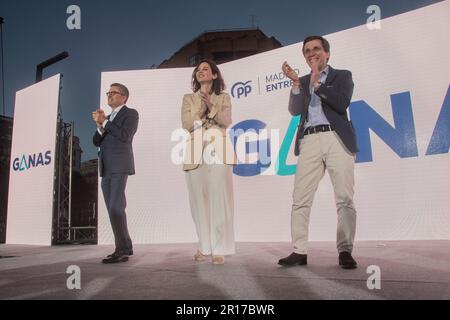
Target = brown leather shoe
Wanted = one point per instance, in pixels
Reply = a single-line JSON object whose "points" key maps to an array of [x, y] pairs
{"points": [[346, 260], [294, 259], [122, 253], [115, 259], [218, 260]]}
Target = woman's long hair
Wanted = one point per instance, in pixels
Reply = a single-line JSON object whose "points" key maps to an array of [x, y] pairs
{"points": [[218, 84]]}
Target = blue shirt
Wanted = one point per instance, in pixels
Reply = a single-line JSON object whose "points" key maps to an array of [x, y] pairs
{"points": [[315, 116]]}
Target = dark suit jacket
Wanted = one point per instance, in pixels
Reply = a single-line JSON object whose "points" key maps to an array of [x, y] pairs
{"points": [[335, 94], [116, 149]]}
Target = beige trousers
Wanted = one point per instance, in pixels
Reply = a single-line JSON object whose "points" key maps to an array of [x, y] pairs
{"points": [[211, 199], [320, 151]]}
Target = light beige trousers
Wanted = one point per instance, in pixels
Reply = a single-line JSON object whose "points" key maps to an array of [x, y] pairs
{"points": [[212, 206], [320, 151]]}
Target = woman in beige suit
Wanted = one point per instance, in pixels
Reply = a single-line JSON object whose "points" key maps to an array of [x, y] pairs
{"points": [[205, 114]]}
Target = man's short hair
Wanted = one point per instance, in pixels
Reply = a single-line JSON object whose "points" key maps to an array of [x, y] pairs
{"points": [[325, 43], [124, 89]]}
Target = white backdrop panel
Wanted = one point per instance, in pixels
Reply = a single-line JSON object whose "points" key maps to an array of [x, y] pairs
{"points": [[396, 198], [30, 197]]}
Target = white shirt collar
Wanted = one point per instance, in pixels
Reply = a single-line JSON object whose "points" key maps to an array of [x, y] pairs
{"points": [[324, 70], [117, 109]]}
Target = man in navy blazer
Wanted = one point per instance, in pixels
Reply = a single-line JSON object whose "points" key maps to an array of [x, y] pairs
{"points": [[325, 140], [114, 137]]}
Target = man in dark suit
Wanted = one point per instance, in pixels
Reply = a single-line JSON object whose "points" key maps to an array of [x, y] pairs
{"points": [[114, 137], [325, 140]]}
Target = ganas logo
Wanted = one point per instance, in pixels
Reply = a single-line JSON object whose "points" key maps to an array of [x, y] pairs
{"points": [[26, 162]]}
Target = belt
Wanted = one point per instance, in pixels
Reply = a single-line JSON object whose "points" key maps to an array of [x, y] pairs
{"points": [[321, 128]]}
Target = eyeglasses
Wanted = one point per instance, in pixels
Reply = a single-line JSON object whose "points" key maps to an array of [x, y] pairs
{"points": [[314, 50], [111, 93]]}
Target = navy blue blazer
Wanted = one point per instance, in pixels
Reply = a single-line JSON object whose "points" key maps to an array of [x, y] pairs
{"points": [[116, 143], [335, 94]]}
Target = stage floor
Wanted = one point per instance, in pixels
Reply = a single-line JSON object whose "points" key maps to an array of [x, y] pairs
{"points": [[409, 270]]}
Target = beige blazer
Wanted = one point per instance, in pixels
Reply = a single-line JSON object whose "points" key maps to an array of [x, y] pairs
{"points": [[207, 135]]}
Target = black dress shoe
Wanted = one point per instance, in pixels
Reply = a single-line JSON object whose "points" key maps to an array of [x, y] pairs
{"points": [[115, 258], [346, 260], [123, 253], [294, 259]]}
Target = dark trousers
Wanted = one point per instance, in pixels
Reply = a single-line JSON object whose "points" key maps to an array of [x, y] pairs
{"points": [[113, 187]]}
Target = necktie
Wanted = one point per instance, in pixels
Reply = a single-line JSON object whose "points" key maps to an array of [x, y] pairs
{"points": [[113, 114]]}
